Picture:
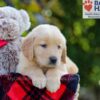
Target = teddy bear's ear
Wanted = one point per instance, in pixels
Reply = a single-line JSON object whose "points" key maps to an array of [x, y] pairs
{"points": [[2, 15], [26, 19]]}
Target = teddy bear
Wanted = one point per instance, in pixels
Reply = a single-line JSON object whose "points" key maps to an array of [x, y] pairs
{"points": [[13, 23]]}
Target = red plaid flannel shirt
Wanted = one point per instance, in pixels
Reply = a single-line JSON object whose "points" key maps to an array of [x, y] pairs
{"points": [[18, 87]]}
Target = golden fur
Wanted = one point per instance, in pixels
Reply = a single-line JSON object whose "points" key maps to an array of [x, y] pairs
{"points": [[43, 42]]}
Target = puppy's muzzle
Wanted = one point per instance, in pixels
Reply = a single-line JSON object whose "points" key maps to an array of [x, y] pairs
{"points": [[53, 60]]}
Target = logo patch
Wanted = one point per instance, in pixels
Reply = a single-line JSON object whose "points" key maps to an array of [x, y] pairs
{"points": [[91, 9]]}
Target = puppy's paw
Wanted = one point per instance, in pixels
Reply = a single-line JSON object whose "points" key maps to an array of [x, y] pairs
{"points": [[39, 81], [53, 80], [53, 85]]}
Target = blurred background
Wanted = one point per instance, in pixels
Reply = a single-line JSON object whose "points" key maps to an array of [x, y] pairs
{"points": [[83, 36]]}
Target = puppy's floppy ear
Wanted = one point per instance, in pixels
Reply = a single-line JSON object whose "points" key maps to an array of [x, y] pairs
{"points": [[63, 57], [71, 66], [27, 48]]}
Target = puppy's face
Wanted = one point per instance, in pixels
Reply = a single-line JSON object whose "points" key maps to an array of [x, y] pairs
{"points": [[48, 50], [48, 46]]}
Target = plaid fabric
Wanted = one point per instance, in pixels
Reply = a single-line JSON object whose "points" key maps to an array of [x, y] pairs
{"points": [[19, 87]]}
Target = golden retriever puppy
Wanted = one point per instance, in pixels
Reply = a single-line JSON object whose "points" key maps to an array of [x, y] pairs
{"points": [[43, 57]]}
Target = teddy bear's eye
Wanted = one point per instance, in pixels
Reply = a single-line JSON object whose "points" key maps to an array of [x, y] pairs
{"points": [[14, 18], [43, 45]]}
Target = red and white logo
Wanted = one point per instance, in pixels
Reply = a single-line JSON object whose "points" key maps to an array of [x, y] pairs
{"points": [[91, 9], [88, 4]]}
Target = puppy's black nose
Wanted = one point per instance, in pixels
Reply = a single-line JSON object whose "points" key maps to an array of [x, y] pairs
{"points": [[53, 60]]}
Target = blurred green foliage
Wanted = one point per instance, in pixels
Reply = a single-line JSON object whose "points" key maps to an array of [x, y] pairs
{"points": [[83, 36]]}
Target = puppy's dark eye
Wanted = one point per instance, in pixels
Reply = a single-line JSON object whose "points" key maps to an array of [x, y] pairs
{"points": [[59, 46], [43, 45]]}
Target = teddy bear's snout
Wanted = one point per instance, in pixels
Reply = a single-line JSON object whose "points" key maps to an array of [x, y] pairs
{"points": [[9, 29]]}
